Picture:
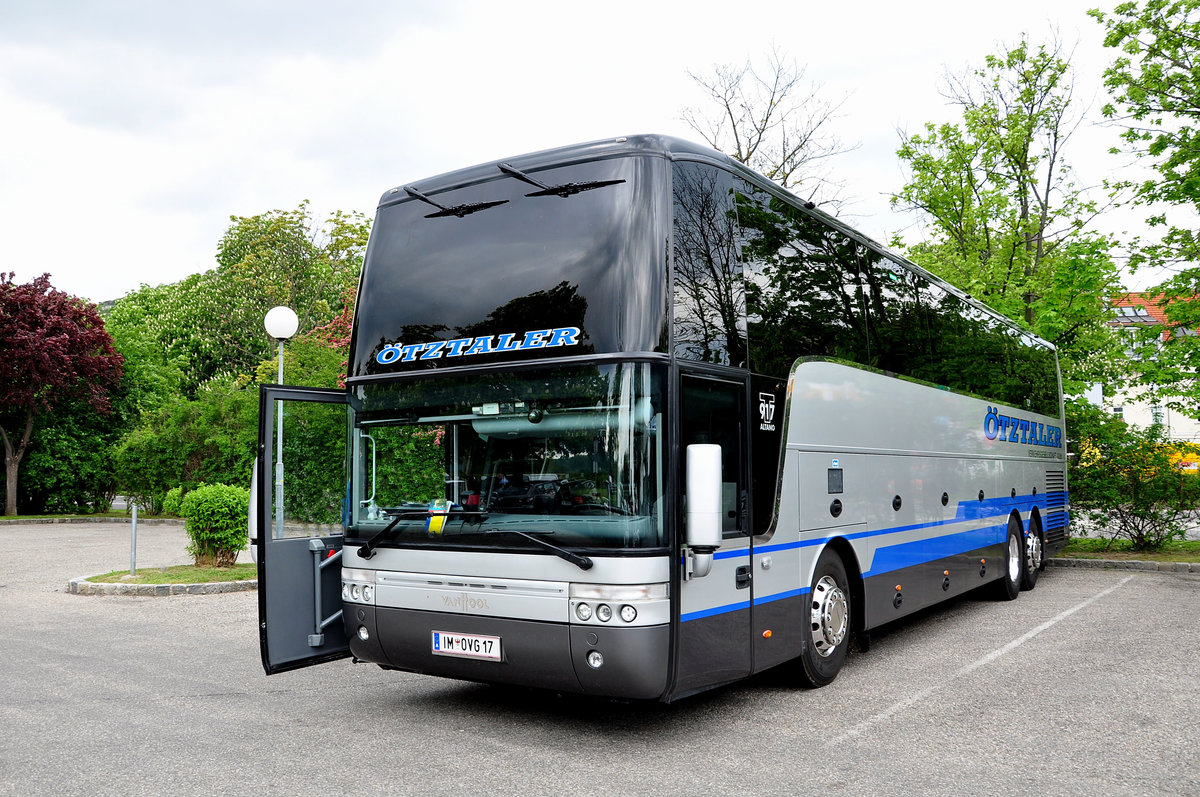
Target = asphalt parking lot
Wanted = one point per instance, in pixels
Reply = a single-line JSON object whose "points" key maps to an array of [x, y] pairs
{"points": [[1090, 684]]}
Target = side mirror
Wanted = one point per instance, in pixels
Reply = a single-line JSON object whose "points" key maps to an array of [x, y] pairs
{"points": [[703, 506]]}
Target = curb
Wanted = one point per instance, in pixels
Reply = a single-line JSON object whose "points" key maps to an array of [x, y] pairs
{"points": [[141, 521], [1126, 564], [81, 586]]}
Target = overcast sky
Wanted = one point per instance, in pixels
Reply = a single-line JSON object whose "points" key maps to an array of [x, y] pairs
{"points": [[133, 129]]}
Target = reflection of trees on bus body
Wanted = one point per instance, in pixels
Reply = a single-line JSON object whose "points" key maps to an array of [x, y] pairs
{"points": [[709, 299], [811, 291]]}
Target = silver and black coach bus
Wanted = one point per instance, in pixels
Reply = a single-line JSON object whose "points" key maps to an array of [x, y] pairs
{"points": [[626, 419]]}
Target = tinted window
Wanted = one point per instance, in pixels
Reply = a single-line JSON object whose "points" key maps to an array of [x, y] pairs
{"points": [[920, 330], [505, 258], [803, 295], [811, 291], [709, 299]]}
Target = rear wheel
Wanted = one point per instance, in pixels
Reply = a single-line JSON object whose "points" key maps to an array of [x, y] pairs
{"points": [[1009, 585], [828, 616], [1035, 552]]}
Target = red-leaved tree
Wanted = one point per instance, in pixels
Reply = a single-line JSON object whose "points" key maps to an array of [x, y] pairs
{"points": [[53, 349]]}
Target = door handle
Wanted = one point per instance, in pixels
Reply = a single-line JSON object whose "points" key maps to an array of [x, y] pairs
{"points": [[743, 577]]}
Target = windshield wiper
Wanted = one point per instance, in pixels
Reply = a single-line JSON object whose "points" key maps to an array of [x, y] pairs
{"points": [[458, 210], [565, 190], [367, 549], [582, 562]]}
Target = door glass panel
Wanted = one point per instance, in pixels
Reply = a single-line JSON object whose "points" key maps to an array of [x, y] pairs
{"points": [[714, 412], [308, 474]]}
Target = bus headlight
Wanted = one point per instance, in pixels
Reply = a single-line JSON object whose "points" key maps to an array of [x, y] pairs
{"points": [[628, 613], [604, 612], [355, 592], [368, 593], [583, 612]]}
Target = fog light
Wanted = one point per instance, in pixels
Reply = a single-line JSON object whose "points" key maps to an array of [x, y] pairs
{"points": [[363, 634], [628, 613], [583, 612], [604, 612], [595, 659], [368, 593]]}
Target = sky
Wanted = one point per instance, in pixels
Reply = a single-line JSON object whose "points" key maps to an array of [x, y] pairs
{"points": [[134, 129]]}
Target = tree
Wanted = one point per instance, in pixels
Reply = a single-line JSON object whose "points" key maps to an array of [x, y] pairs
{"points": [[770, 119], [55, 350], [1005, 220], [189, 442], [1127, 481], [1155, 88], [209, 325]]}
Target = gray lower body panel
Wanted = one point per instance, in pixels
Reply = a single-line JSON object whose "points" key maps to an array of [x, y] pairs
{"points": [[926, 584]]}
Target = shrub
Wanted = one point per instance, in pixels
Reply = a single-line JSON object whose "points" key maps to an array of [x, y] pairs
{"points": [[172, 502], [1128, 481], [216, 523]]}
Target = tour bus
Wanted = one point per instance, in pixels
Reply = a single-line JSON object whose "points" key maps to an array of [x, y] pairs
{"points": [[626, 419]]}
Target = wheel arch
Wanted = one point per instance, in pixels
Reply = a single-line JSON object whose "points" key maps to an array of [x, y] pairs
{"points": [[1035, 516], [845, 551]]}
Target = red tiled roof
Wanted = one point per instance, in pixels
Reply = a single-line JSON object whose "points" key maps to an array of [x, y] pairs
{"points": [[1154, 304]]}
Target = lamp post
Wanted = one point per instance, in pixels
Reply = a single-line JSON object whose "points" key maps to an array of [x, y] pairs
{"points": [[281, 323]]}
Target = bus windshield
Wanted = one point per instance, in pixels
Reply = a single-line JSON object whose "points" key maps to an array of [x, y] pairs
{"points": [[570, 455]]}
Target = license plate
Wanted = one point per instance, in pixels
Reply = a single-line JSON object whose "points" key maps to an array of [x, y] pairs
{"points": [[469, 646]]}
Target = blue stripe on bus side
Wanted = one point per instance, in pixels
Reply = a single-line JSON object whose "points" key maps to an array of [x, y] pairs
{"points": [[731, 607], [918, 552], [895, 557]]}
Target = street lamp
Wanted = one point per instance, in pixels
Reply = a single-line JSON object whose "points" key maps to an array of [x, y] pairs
{"points": [[281, 323]]}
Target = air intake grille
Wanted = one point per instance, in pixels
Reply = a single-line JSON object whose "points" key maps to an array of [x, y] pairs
{"points": [[1056, 506]]}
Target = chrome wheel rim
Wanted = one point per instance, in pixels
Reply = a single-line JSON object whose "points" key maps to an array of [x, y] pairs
{"points": [[830, 616], [1014, 558], [1035, 552]]}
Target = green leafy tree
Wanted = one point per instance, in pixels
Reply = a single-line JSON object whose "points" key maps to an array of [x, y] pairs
{"points": [[1154, 85], [1005, 220], [68, 465], [210, 439], [1127, 481], [55, 351], [209, 325]]}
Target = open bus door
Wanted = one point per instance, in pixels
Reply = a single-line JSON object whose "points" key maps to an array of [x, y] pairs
{"points": [[299, 556]]}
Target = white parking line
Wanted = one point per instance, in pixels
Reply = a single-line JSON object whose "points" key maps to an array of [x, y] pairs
{"points": [[916, 697]]}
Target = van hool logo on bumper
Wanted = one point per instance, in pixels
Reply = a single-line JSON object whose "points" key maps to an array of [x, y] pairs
{"points": [[485, 344], [1019, 430]]}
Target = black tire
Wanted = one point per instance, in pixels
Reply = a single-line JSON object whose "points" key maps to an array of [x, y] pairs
{"points": [[1035, 555], [827, 630], [1012, 563]]}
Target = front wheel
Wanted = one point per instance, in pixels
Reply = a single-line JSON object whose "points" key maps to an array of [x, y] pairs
{"points": [[1009, 585], [828, 616]]}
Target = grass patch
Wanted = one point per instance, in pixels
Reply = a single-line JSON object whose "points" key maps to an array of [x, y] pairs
{"points": [[181, 574], [1094, 548]]}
